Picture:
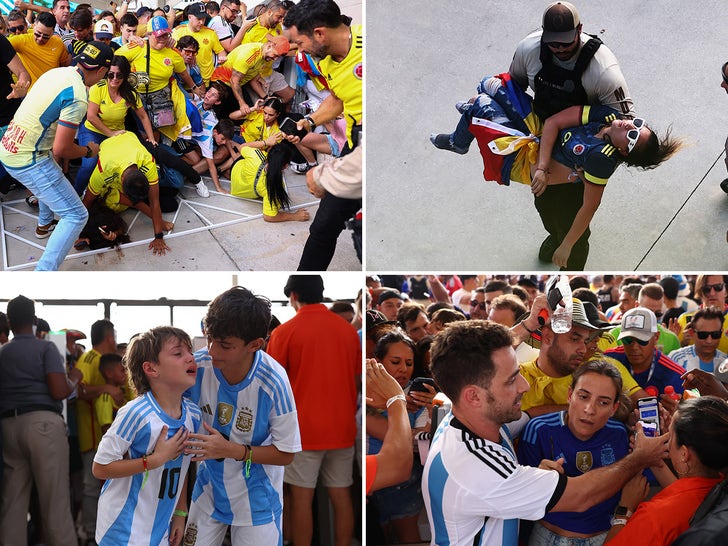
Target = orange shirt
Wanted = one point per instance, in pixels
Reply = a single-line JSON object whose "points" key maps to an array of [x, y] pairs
{"points": [[667, 515], [321, 353]]}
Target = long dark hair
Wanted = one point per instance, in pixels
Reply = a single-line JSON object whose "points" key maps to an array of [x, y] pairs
{"points": [[278, 157], [127, 92], [655, 151]]}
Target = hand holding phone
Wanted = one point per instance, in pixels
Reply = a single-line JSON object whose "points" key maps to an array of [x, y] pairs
{"points": [[418, 384], [291, 128], [649, 412]]}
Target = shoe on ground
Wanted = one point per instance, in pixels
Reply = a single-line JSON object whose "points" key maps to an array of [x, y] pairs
{"points": [[724, 185], [32, 201], [302, 168], [463, 106], [443, 142], [548, 247], [41, 232], [202, 190]]}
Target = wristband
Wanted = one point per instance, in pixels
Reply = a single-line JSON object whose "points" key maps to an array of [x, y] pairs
{"points": [[618, 521], [146, 471], [311, 122], [523, 323], [159, 235], [395, 398], [245, 453], [248, 462], [181, 513]]}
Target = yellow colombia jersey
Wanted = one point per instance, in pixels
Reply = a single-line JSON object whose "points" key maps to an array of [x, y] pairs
{"points": [[246, 59], [247, 179], [254, 128], [111, 113], [162, 63], [209, 45], [89, 431], [259, 33], [115, 155], [345, 79]]}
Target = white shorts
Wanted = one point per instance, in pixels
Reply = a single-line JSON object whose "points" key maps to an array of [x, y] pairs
{"points": [[276, 82], [334, 465], [202, 530]]}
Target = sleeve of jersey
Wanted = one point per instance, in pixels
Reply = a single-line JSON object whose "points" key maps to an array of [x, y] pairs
{"points": [[115, 443], [529, 451], [285, 433], [104, 410], [600, 164]]}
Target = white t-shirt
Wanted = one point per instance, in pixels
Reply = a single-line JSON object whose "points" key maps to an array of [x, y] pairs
{"points": [[603, 80], [221, 27], [475, 488]]}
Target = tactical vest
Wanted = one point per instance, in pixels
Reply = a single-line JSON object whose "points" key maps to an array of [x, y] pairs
{"points": [[557, 88]]}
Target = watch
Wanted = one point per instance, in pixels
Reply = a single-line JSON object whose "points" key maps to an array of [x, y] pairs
{"points": [[622, 512], [89, 152], [311, 122]]}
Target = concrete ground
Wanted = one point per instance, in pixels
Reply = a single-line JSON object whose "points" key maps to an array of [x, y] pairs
{"points": [[429, 209], [250, 245]]}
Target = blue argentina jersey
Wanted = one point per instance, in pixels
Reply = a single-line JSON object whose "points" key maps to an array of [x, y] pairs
{"points": [[475, 491], [124, 504], [577, 147], [258, 411], [548, 437]]}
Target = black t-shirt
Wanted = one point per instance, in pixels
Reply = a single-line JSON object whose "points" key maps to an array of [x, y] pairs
{"points": [[7, 107]]}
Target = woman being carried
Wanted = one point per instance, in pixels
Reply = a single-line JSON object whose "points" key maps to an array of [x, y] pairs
{"points": [[580, 148]]}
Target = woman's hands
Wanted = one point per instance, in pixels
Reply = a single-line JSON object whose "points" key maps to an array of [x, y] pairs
{"points": [[539, 181]]}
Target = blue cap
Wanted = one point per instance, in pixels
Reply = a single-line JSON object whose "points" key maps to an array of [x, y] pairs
{"points": [[160, 26]]}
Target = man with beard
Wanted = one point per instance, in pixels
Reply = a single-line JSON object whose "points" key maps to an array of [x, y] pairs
{"points": [[475, 491], [549, 376]]}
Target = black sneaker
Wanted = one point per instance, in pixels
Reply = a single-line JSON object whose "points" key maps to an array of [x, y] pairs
{"points": [[724, 185], [443, 142], [548, 247]]}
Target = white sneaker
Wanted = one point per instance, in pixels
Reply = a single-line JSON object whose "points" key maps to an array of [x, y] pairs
{"points": [[202, 190]]}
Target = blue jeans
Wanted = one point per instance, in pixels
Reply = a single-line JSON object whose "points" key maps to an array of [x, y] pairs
{"points": [[55, 195], [543, 537], [83, 175], [496, 108]]}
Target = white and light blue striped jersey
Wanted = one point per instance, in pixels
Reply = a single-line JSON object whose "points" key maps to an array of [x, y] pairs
{"points": [[258, 411], [124, 504], [475, 491]]}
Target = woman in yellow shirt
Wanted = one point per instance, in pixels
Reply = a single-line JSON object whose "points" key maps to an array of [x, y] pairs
{"points": [[259, 127], [108, 102], [257, 176]]}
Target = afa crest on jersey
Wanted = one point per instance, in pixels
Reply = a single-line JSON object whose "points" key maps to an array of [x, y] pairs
{"points": [[244, 422], [224, 414], [190, 535]]}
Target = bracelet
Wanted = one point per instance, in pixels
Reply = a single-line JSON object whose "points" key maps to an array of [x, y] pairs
{"points": [[618, 521], [523, 323], [245, 453], [159, 235], [181, 513], [311, 122], [146, 470], [249, 461], [395, 398]]}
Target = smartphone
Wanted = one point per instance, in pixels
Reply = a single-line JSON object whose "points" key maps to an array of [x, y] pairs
{"points": [[649, 412], [290, 128], [418, 384]]}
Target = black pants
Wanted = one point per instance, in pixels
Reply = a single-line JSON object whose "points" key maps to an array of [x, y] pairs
{"points": [[558, 207]]}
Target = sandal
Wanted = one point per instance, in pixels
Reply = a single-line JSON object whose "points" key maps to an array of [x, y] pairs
{"points": [[32, 201]]}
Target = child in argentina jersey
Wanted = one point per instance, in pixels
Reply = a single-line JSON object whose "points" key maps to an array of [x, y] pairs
{"points": [[259, 411], [141, 455], [549, 437]]}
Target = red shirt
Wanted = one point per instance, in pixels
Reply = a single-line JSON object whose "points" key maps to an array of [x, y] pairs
{"points": [[666, 516], [321, 353]]}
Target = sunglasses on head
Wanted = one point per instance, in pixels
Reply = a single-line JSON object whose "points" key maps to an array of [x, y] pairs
{"points": [[704, 335], [633, 135], [718, 287], [477, 304], [629, 340]]}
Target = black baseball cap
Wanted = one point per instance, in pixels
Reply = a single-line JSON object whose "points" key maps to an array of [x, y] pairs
{"points": [[95, 55]]}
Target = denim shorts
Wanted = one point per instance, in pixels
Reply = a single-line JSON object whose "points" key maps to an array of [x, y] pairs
{"points": [[540, 536], [403, 500]]}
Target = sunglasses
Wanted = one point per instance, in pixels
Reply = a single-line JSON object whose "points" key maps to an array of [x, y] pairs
{"points": [[629, 340], [704, 335], [477, 304], [42, 36], [190, 51], [562, 45], [633, 135], [16, 30], [115, 75], [718, 287]]}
